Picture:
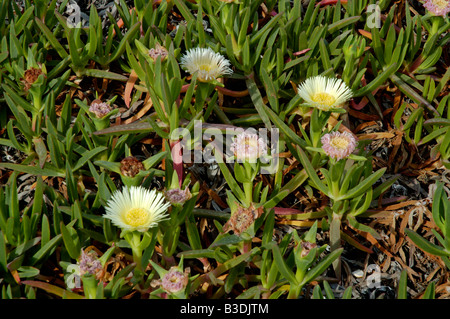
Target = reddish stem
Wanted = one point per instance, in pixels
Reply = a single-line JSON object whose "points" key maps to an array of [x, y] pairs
{"points": [[232, 93], [415, 64], [286, 211], [177, 158], [329, 2], [301, 52]]}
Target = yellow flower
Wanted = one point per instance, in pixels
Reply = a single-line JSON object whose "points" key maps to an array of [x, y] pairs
{"points": [[136, 208], [324, 93], [208, 64]]}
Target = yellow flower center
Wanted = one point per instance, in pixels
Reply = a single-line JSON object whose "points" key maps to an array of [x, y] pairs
{"points": [[205, 72], [136, 217], [324, 99], [250, 142], [205, 67], [339, 143], [441, 4]]}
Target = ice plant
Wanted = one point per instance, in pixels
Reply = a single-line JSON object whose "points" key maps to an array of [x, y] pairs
{"points": [[338, 145], [136, 208], [306, 248], [242, 219], [30, 77], [34, 84], [248, 147], [132, 171], [99, 108], [324, 93], [158, 51], [130, 166], [208, 64], [177, 195], [174, 280], [438, 7], [90, 264]]}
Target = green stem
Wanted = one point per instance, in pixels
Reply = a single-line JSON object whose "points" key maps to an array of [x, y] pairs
{"points": [[300, 274], [294, 291], [248, 190], [335, 241], [435, 25], [37, 117], [334, 187], [134, 239], [90, 285], [34, 124], [431, 41]]}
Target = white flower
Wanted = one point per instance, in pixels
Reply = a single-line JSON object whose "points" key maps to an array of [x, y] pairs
{"points": [[136, 208], [248, 147], [208, 64], [324, 93]]}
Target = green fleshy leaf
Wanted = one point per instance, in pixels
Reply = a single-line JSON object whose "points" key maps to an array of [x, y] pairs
{"points": [[425, 245]]}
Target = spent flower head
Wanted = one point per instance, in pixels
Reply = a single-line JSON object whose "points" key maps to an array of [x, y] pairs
{"points": [[136, 208], [438, 7], [89, 263], [306, 248], [177, 195], [30, 76], [208, 64], [174, 280], [248, 146], [242, 219], [338, 145], [158, 51], [99, 108], [324, 93], [130, 166]]}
